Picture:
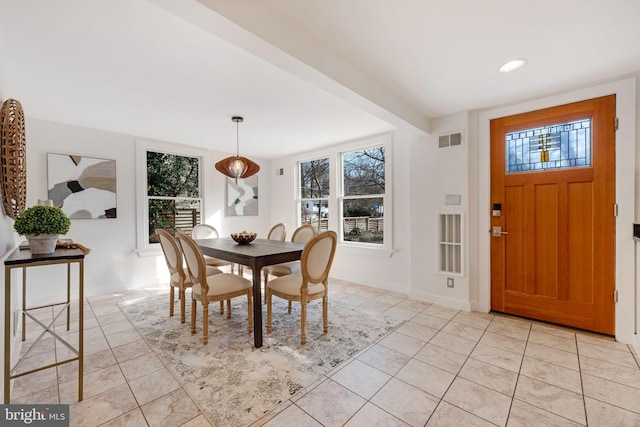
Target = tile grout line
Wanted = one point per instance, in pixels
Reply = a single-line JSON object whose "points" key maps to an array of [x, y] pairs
{"points": [[515, 387], [584, 400]]}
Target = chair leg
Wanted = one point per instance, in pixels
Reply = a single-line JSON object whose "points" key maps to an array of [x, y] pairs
{"points": [[221, 307], [303, 321], [250, 309], [229, 308], [266, 280], [182, 305], [171, 300], [193, 316], [205, 323], [289, 307], [269, 300], [325, 314]]}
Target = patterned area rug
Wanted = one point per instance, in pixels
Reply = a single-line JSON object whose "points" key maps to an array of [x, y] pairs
{"points": [[234, 383]]}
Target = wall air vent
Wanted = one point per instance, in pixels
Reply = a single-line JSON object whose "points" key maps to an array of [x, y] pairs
{"points": [[450, 243], [450, 140]]}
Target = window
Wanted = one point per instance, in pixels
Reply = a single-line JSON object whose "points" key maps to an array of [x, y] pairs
{"points": [[557, 146], [363, 195], [173, 193], [314, 193], [169, 180], [346, 188]]}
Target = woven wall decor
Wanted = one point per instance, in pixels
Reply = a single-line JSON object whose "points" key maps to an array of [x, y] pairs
{"points": [[13, 160]]}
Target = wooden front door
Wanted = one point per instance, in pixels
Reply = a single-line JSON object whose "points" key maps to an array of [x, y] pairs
{"points": [[553, 214]]}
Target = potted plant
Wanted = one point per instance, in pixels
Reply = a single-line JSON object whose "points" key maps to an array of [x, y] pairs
{"points": [[41, 225]]}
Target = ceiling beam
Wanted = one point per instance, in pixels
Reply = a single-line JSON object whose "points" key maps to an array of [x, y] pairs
{"points": [[256, 29]]}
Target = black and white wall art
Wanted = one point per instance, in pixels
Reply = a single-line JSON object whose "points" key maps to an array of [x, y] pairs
{"points": [[83, 187]]}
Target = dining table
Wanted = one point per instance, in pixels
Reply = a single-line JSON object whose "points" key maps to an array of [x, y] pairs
{"points": [[257, 254]]}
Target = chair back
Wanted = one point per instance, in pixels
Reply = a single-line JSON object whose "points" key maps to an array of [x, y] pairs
{"points": [[204, 231], [172, 253], [195, 260], [317, 257], [303, 234], [278, 232]]}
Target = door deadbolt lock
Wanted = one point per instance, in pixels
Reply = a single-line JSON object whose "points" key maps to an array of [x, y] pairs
{"points": [[497, 232]]}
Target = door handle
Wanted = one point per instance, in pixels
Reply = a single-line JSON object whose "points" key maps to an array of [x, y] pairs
{"points": [[497, 232]]}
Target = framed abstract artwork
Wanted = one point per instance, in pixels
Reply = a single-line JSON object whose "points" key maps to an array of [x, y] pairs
{"points": [[242, 198], [83, 187]]}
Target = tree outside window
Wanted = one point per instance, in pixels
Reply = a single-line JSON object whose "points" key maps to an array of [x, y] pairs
{"points": [[363, 195], [173, 193], [314, 193]]}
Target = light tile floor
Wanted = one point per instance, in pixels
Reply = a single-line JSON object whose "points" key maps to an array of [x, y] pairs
{"points": [[441, 367]]}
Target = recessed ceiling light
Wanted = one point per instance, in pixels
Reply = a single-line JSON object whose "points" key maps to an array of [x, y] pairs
{"points": [[513, 65]]}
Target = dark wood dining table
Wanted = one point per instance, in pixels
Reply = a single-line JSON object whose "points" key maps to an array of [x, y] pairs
{"points": [[257, 254]]}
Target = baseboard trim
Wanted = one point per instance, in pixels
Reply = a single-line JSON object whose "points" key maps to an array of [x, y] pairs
{"points": [[443, 301]]}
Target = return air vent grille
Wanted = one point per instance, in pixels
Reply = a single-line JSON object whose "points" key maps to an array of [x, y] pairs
{"points": [[450, 140], [450, 243]]}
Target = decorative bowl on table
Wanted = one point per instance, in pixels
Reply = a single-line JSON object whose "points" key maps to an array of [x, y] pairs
{"points": [[243, 238]]}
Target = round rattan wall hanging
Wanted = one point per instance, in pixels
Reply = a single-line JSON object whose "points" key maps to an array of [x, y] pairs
{"points": [[13, 161]]}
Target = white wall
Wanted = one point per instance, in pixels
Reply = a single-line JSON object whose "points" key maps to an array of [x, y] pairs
{"points": [[636, 177], [436, 172], [113, 264], [7, 241], [7, 236], [6, 224]]}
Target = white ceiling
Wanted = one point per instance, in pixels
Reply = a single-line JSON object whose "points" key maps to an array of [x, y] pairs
{"points": [[303, 73]]}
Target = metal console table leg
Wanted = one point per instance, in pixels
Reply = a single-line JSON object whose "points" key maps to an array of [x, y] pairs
{"points": [[24, 259]]}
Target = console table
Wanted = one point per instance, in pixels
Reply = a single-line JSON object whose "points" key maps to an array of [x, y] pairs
{"points": [[23, 258]]}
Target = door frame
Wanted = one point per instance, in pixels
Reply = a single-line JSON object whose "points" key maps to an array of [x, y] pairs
{"points": [[626, 310]]}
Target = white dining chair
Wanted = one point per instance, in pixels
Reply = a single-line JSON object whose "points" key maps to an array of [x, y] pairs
{"points": [[206, 231], [310, 284], [302, 234], [179, 278], [278, 232], [206, 289]]}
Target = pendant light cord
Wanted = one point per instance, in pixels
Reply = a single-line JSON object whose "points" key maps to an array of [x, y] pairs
{"points": [[237, 138]]}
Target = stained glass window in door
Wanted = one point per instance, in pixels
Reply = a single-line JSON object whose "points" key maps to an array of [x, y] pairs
{"points": [[556, 146]]}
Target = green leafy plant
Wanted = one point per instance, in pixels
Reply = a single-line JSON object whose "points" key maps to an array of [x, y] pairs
{"points": [[42, 220]]}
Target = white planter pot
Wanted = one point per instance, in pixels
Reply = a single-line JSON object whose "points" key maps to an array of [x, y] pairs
{"points": [[42, 243]]}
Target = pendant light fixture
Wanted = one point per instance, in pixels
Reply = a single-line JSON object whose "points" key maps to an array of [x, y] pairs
{"points": [[236, 166]]}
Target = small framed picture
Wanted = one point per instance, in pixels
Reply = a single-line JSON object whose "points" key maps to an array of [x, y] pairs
{"points": [[242, 198]]}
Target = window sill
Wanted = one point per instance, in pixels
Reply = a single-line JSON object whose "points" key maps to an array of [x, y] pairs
{"points": [[355, 249], [149, 251]]}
